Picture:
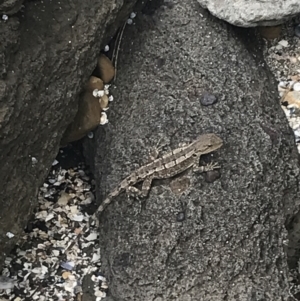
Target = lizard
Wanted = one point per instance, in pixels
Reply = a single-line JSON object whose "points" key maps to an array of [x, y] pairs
{"points": [[168, 166]]}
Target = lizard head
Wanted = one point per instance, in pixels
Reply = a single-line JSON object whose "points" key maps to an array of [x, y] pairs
{"points": [[207, 143]]}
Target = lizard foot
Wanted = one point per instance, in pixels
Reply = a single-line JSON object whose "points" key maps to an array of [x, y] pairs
{"points": [[206, 168]]}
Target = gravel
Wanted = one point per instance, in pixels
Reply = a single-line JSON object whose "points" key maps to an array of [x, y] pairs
{"points": [[283, 58], [44, 266]]}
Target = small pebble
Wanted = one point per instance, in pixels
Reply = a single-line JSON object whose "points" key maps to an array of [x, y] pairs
{"points": [[67, 265], [106, 48], [208, 99], [180, 217], [91, 135], [297, 31], [4, 17], [132, 15], [65, 275], [129, 21]]}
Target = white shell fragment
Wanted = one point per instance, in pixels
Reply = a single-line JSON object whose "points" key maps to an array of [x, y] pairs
{"points": [[96, 257], [55, 252], [10, 235], [100, 93], [103, 118], [95, 93], [49, 217], [55, 162], [78, 218], [132, 15], [34, 160], [92, 236], [283, 43]]}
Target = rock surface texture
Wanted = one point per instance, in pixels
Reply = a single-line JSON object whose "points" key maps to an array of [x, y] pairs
{"points": [[195, 237], [47, 53], [253, 13], [10, 7]]}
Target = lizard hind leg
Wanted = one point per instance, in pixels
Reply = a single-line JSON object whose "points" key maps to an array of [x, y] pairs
{"points": [[137, 193]]}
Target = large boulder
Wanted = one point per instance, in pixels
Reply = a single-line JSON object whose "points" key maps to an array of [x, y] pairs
{"points": [[196, 237], [246, 13], [47, 53]]}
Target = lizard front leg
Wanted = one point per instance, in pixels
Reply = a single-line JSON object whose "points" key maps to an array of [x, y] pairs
{"points": [[137, 193], [208, 167]]}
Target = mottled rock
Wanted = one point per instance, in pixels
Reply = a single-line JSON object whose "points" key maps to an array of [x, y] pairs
{"points": [[47, 54], [230, 243], [246, 13]]}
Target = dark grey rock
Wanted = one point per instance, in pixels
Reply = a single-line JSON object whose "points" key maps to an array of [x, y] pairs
{"points": [[246, 13], [47, 54], [231, 243], [208, 99], [10, 7]]}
